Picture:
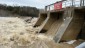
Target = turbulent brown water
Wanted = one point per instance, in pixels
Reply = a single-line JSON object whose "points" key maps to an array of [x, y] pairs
{"points": [[16, 33]]}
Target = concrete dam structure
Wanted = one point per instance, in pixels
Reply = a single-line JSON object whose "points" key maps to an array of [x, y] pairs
{"points": [[63, 24]]}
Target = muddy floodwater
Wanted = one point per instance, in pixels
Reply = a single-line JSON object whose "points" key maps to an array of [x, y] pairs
{"points": [[16, 33]]}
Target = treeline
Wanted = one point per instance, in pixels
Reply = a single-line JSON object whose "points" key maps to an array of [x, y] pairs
{"points": [[21, 10]]}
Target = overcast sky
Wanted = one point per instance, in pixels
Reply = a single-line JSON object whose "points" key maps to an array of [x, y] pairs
{"points": [[33, 3]]}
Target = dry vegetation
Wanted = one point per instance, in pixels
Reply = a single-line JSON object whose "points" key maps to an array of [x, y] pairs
{"points": [[19, 10]]}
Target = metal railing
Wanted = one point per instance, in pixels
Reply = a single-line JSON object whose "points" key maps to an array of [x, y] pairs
{"points": [[69, 3]]}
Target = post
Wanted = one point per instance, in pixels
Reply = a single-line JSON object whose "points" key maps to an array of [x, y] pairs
{"points": [[81, 3], [45, 8], [72, 3]]}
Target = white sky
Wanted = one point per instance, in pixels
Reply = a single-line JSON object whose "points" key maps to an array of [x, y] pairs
{"points": [[33, 3]]}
